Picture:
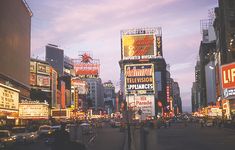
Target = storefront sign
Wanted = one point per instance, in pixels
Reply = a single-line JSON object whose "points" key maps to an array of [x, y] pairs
{"points": [[9, 98]]}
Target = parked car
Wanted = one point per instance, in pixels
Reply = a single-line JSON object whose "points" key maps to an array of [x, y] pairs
{"points": [[209, 123], [22, 135], [6, 139], [45, 131], [86, 128]]}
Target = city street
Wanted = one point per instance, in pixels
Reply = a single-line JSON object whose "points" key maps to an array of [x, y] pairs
{"points": [[176, 137], [192, 137]]}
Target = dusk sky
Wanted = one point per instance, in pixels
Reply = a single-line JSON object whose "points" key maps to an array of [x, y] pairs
{"points": [[94, 26]]}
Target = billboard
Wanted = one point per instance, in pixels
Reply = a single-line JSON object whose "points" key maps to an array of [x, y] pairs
{"points": [[143, 102], [86, 66], [33, 79], [139, 78], [9, 98], [43, 80], [81, 85], [228, 75], [140, 46], [33, 66], [43, 68], [62, 90], [33, 110]]}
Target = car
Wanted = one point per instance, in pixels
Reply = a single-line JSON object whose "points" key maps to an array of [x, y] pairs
{"points": [[209, 123], [45, 131], [86, 128], [22, 135], [6, 139]]}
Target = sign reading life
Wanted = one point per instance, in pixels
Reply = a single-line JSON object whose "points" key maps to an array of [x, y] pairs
{"points": [[228, 75]]}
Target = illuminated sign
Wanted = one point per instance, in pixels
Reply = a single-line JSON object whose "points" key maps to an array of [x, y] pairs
{"points": [[168, 93], [62, 94], [139, 78], [32, 66], [43, 69], [60, 113], [138, 46], [43, 80], [228, 75], [76, 98], [9, 98], [33, 110], [142, 102], [159, 45]]}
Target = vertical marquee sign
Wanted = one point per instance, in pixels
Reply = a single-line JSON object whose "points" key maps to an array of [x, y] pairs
{"points": [[139, 78]]}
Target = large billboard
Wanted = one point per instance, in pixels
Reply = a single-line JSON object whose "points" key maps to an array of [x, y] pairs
{"points": [[86, 66], [139, 78], [228, 80], [43, 80], [228, 75], [9, 98], [81, 85], [140, 46], [142, 102], [43, 69]]}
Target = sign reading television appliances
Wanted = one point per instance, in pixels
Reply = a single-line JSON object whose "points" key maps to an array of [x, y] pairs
{"points": [[140, 46], [139, 78]]}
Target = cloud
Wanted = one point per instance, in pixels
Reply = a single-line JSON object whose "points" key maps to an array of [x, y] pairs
{"points": [[94, 25]]}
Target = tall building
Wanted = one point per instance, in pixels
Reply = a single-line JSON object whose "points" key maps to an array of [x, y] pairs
{"points": [[195, 90], [206, 54], [15, 29], [95, 92], [55, 57], [143, 70], [225, 30], [109, 96]]}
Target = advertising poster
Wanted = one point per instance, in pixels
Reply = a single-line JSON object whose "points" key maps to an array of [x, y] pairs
{"points": [[138, 46], [32, 66], [9, 99], [228, 75], [43, 69], [33, 79], [81, 85], [142, 102], [139, 78], [43, 80]]}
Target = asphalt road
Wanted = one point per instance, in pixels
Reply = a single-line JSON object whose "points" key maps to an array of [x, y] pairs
{"points": [[192, 137], [176, 137]]}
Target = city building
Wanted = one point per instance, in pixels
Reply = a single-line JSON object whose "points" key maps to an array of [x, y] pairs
{"points": [[41, 81], [143, 70], [207, 54], [55, 57], [95, 93], [109, 97], [15, 29], [15, 45]]}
